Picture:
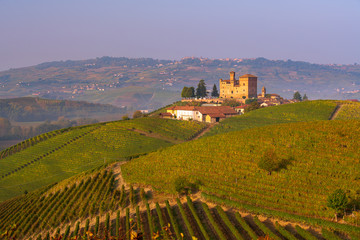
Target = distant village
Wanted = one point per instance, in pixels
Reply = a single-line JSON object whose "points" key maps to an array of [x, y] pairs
{"points": [[233, 98]]}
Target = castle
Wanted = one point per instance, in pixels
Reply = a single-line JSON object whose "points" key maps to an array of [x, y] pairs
{"points": [[245, 87]]}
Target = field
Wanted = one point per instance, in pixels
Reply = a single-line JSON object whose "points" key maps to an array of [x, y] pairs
{"points": [[84, 148], [96, 202], [320, 157], [297, 112]]}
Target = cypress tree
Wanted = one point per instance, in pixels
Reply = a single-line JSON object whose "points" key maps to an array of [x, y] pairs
{"points": [[201, 89], [215, 92]]}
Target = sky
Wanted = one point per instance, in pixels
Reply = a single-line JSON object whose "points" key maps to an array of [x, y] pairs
{"points": [[316, 31]]}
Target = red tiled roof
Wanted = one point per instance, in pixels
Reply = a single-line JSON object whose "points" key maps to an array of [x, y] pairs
{"points": [[215, 115], [189, 108], [218, 110], [242, 106]]}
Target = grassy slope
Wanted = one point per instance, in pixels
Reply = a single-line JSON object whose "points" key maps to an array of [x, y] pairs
{"points": [[102, 143], [297, 112], [324, 157]]}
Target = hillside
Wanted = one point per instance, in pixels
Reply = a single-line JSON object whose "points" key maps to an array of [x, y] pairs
{"points": [[318, 156], [54, 156], [288, 113], [100, 202], [111, 177], [149, 84]]}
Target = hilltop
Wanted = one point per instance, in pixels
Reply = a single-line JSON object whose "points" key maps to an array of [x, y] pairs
{"points": [[149, 84]]}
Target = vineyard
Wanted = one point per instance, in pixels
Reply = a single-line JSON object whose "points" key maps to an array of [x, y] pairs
{"points": [[349, 110], [95, 202], [320, 157], [52, 157], [297, 112]]}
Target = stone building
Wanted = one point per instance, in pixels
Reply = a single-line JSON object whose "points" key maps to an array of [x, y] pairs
{"points": [[245, 87]]}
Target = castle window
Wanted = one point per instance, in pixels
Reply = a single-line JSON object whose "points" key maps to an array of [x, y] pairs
{"points": [[243, 90], [244, 84], [232, 92]]}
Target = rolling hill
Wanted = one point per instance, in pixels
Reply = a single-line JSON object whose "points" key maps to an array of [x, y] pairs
{"points": [[232, 197], [57, 155]]}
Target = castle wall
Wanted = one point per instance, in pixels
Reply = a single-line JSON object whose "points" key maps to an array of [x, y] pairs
{"points": [[245, 87]]}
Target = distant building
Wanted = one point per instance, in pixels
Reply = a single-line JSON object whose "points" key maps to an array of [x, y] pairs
{"points": [[245, 87], [210, 114]]}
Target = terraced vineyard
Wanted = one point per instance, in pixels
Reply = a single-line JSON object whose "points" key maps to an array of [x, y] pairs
{"points": [[71, 152], [288, 113], [320, 156]]}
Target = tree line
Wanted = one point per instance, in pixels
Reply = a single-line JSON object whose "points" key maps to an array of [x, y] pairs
{"points": [[10, 132], [200, 92]]}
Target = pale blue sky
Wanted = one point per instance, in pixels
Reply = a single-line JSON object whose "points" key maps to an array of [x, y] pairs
{"points": [[318, 31]]}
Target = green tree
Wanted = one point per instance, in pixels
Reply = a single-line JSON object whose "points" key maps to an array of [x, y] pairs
{"points": [[269, 161], [188, 92], [297, 96], [337, 201], [125, 117], [137, 114], [305, 98], [191, 92], [253, 106], [215, 92], [201, 89], [250, 100], [184, 92]]}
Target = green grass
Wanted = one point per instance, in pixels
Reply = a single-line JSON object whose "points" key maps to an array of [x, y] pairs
{"points": [[322, 155], [85, 148], [287, 113]]}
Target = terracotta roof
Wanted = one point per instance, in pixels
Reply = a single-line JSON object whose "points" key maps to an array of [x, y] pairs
{"points": [[215, 115], [188, 108], [248, 75], [242, 106], [216, 110]]}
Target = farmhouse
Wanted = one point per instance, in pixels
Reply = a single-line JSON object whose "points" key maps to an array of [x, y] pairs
{"points": [[245, 87], [210, 114]]}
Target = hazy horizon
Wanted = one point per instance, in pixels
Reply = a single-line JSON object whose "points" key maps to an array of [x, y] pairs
{"points": [[323, 32]]}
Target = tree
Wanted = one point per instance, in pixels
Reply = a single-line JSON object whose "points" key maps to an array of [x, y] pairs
{"points": [[184, 92], [253, 106], [250, 100], [191, 91], [201, 89], [269, 161], [305, 98], [297, 96], [337, 201], [215, 92], [188, 92], [137, 114], [125, 117]]}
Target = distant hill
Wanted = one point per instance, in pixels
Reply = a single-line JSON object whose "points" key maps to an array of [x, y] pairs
{"points": [[146, 83], [31, 109]]}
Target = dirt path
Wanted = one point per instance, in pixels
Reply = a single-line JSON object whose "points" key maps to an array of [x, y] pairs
{"points": [[207, 129], [335, 112]]}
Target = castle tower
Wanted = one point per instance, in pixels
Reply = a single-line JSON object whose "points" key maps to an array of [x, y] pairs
{"points": [[263, 91], [232, 78]]}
